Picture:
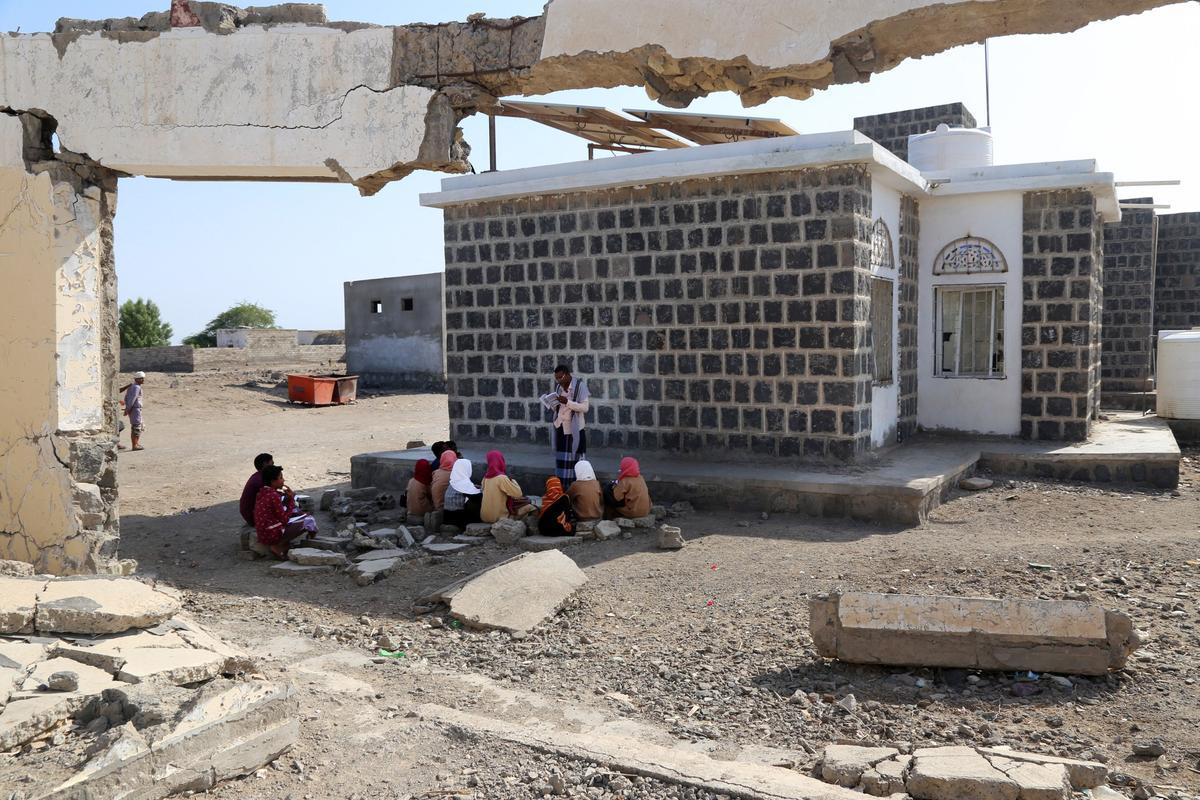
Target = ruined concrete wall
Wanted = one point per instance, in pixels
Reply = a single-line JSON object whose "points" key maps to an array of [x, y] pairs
{"points": [[893, 129], [715, 315], [400, 343], [1177, 288], [1063, 298], [910, 269], [1128, 301], [57, 435]]}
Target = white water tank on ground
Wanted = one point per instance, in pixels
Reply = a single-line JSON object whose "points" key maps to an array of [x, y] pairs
{"points": [[951, 148], [1179, 374]]}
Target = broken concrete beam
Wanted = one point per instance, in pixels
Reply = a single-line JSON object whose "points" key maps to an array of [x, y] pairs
{"points": [[101, 605], [975, 633], [287, 569], [316, 557], [228, 730], [516, 595], [18, 600]]}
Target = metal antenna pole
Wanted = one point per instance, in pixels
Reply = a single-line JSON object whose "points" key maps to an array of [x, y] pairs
{"points": [[987, 80]]}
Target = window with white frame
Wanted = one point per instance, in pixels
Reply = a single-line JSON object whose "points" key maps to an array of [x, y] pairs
{"points": [[970, 331]]}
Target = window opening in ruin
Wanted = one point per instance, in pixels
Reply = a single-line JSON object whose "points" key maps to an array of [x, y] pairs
{"points": [[882, 318], [881, 246], [969, 256], [970, 331], [406, 304], [376, 306]]}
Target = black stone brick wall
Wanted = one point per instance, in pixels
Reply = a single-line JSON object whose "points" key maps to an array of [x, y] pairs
{"points": [[1063, 297], [1128, 300], [1177, 285], [722, 316], [892, 130], [910, 231]]}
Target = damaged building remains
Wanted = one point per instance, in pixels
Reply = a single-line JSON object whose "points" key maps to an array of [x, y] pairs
{"points": [[779, 304]]}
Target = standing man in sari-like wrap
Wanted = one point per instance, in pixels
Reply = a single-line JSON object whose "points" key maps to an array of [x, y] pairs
{"points": [[569, 403]]}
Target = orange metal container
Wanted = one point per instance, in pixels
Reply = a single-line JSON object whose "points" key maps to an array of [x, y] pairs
{"points": [[322, 390]]}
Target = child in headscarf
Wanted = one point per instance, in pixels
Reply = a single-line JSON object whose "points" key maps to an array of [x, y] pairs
{"points": [[463, 498], [418, 498], [556, 518], [502, 495], [587, 498], [441, 478], [629, 495]]}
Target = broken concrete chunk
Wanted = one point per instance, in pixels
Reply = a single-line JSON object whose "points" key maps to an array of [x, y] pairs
{"points": [[1082, 774], [176, 665], [645, 523], [670, 538], [516, 595], [844, 765], [288, 569], [981, 633], [478, 529], [538, 544], [63, 681], [27, 718], [508, 531], [16, 654], [444, 547], [88, 680], [1035, 781], [975, 484], [367, 572], [378, 555], [313, 557], [18, 599], [607, 530], [956, 773], [885, 778], [101, 605]]}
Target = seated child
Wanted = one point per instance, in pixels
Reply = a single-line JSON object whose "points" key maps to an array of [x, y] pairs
{"points": [[628, 496], [587, 498]]}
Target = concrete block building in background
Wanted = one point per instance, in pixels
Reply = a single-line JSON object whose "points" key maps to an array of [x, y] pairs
{"points": [[395, 332], [808, 296]]}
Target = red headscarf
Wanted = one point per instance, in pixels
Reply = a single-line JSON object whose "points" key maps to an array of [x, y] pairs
{"points": [[495, 465], [447, 460], [554, 491], [629, 468], [423, 472]]}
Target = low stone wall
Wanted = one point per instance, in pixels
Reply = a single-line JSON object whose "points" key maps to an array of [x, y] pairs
{"points": [[1163, 474], [190, 359]]}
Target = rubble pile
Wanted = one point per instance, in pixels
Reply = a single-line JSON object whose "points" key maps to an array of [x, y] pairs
{"points": [[108, 677], [373, 535]]}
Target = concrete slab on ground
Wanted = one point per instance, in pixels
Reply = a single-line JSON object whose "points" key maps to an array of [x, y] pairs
{"points": [[902, 485]]}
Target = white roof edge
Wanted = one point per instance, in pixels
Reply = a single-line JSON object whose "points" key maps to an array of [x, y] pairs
{"points": [[737, 158], [1102, 184]]}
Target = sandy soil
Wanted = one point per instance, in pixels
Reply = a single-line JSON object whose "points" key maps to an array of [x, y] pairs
{"points": [[710, 642]]}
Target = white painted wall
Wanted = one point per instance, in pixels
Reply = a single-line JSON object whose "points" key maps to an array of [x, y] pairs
{"points": [[885, 400], [975, 405]]}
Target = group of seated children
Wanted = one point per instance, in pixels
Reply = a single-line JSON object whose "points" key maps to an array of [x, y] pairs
{"points": [[269, 504], [449, 489]]}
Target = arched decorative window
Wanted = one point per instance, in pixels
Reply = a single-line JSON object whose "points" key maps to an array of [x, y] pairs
{"points": [[969, 256], [881, 246]]}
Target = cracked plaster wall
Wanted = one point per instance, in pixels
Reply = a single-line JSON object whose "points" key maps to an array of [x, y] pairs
{"points": [[57, 327]]}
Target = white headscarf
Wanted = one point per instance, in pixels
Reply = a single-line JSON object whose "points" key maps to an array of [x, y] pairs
{"points": [[584, 471], [460, 478]]}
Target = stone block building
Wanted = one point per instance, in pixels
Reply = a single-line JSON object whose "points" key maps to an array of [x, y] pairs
{"points": [[1151, 284], [395, 332], [801, 297]]}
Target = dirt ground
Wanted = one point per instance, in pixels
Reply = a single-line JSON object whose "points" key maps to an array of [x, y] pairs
{"points": [[709, 642]]}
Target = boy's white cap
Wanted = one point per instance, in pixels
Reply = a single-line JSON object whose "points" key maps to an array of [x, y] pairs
{"points": [[139, 375]]}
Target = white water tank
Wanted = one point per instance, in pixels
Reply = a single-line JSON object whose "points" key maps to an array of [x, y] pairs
{"points": [[1179, 374], [951, 148]]}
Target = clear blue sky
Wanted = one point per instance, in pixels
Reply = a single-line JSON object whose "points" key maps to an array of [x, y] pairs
{"points": [[1121, 91]]}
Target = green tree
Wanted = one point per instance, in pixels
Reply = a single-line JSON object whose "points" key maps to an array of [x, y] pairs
{"points": [[243, 315], [141, 325]]}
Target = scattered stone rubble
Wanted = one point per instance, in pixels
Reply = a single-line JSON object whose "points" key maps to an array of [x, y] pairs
{"points": [[373, 537], [1061, 636], [174, 708], [958, 773]]}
